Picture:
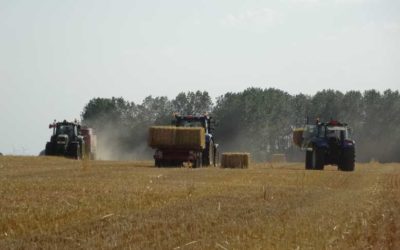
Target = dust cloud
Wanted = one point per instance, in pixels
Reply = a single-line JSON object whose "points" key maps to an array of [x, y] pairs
{"points": [[115, 142]]}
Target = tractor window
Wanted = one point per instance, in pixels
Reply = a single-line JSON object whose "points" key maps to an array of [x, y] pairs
{"points": [[333, 133], [194, 124], [310, 131], [344, 134], [338, 133], [321, 131], [65, 129], [184, 123]]}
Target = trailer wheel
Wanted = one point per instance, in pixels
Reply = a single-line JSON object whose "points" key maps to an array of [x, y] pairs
{"points": [[82, 151], [78, 152], [92, 156]]}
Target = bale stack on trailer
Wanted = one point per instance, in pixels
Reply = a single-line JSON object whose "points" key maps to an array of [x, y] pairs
{"points": [[177, 137], [235, 160]]}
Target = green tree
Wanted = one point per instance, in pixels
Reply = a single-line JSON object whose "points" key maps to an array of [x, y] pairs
{"points": [[195, 103]]}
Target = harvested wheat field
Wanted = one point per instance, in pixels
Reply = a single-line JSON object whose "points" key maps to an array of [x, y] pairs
{"points": [[56, 203]]}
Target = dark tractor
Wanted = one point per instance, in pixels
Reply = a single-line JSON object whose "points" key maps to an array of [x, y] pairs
{"points": [[328, 144], [177, 156], [66, 140]]}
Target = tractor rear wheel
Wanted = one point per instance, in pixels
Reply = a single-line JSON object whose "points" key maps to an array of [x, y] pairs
{"points": [[309, 155], [317, 160], [347, 160]]}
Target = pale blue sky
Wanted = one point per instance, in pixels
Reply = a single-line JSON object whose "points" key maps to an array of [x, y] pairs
{"points": [[57, 55]]}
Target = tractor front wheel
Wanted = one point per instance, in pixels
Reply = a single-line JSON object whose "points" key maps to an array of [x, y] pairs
{"points": [[198, 162], [49, 150], [208, 156], [347, 160], [309, 155], [74, 151]]}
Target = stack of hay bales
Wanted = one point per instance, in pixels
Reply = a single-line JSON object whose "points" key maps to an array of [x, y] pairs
{"points": [[177, 137], [298, 136], [278, 158], [235, 160]]}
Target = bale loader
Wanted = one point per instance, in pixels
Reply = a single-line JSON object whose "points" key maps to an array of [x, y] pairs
{"points": [[188, 139]]}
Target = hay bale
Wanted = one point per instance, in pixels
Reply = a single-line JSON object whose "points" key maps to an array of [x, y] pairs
{"points": [[278, 158], [298, 136], [235, 160], [177, 137]]}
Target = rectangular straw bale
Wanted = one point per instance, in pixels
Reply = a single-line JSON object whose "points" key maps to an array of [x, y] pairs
{"points": [[176, 137], [298, 136], [235, 160]]}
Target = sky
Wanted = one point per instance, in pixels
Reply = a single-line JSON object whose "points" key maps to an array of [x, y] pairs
{"points": [[57, 55]]}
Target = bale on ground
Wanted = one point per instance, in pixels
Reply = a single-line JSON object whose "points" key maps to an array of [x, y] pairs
{"points": [[176, 137], [235, 160], [276, 158], [298, 136]]}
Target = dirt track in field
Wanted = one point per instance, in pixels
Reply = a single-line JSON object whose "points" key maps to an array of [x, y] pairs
{"points": [[58, 203]]}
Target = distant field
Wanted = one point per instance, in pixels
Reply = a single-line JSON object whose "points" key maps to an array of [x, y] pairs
{"points": [[56, 203]]}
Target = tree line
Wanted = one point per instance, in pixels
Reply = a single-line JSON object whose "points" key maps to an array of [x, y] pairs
{"points": [[259, 121]]}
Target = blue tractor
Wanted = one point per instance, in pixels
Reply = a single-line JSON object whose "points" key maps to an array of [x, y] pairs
{"points": [[328, 144]]}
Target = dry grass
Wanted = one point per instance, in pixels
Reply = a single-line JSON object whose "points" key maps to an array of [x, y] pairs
{"points": [[55, 203]]}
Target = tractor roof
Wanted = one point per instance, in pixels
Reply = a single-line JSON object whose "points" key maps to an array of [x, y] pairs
{"points": [[333, 123], [192, 117], [65, 122]]}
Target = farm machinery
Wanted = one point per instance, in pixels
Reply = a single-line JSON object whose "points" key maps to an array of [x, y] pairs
{"points": [[72, 140], [326, 144], [189, 139]]}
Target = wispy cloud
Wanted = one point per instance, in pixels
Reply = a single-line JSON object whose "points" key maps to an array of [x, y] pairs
{"points": [[305, 1], [328, 1], [352, 1], [254, 19]]}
